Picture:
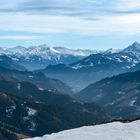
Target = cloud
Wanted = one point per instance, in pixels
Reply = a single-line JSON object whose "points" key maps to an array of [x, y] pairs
{"points": [[16, 37], [57, 7], [84, 9], [83, 17], [128, 5], [48, 24]]}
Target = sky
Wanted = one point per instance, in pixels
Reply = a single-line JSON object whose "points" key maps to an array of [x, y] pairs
{"points": [[85, 24]]}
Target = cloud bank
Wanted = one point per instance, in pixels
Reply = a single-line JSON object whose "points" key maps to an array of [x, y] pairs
{"points": [[83, 17]]}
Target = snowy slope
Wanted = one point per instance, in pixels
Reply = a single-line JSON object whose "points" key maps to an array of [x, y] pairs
{"points": [[111, 131]]}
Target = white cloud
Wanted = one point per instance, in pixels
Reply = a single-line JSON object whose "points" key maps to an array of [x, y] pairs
{"points": [[107, 25], [16, 37], [128, 4], [104, 21]]}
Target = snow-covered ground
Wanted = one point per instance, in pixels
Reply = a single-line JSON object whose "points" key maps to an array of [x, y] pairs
{"points": [[110, 131]]}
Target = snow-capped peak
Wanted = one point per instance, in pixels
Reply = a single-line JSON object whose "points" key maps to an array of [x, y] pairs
{"points": [[45, 51], [111, 50], [52, 49], [76, 52], [134, 48], [136, 44], [16, 49]]}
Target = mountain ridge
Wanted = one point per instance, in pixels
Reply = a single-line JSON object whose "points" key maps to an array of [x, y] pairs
{"points": [[37, 57], [120, 94], [94, 68], [29, 111]]}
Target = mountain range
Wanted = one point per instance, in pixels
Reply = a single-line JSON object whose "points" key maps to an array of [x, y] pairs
{"points": [[8, 63], [81, 73], [37, 78], [37, 57], [42, 101], [96, 67], [27, 111]]}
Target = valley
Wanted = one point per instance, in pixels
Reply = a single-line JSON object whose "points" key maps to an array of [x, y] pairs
{"points": [[69, 69], [96, 89]]}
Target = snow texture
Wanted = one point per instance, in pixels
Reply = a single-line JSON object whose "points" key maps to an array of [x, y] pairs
{"points": [[110, 131]]}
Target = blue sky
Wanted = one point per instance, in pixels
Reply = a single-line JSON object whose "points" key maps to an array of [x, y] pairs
{"points": [[93, 24]]}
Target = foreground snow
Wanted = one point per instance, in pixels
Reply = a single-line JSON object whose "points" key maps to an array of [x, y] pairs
{"points": [[111, 131]]}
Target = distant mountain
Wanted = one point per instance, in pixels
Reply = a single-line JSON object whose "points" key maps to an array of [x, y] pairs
{"points": [[28, 111], [10, 67], [39, 79], [37, 57], [133, 49], [34, 103], [80, 73], [9, 63], [111, 51], [109, 131], [120, 95], [95, 67], [46, 50]]}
